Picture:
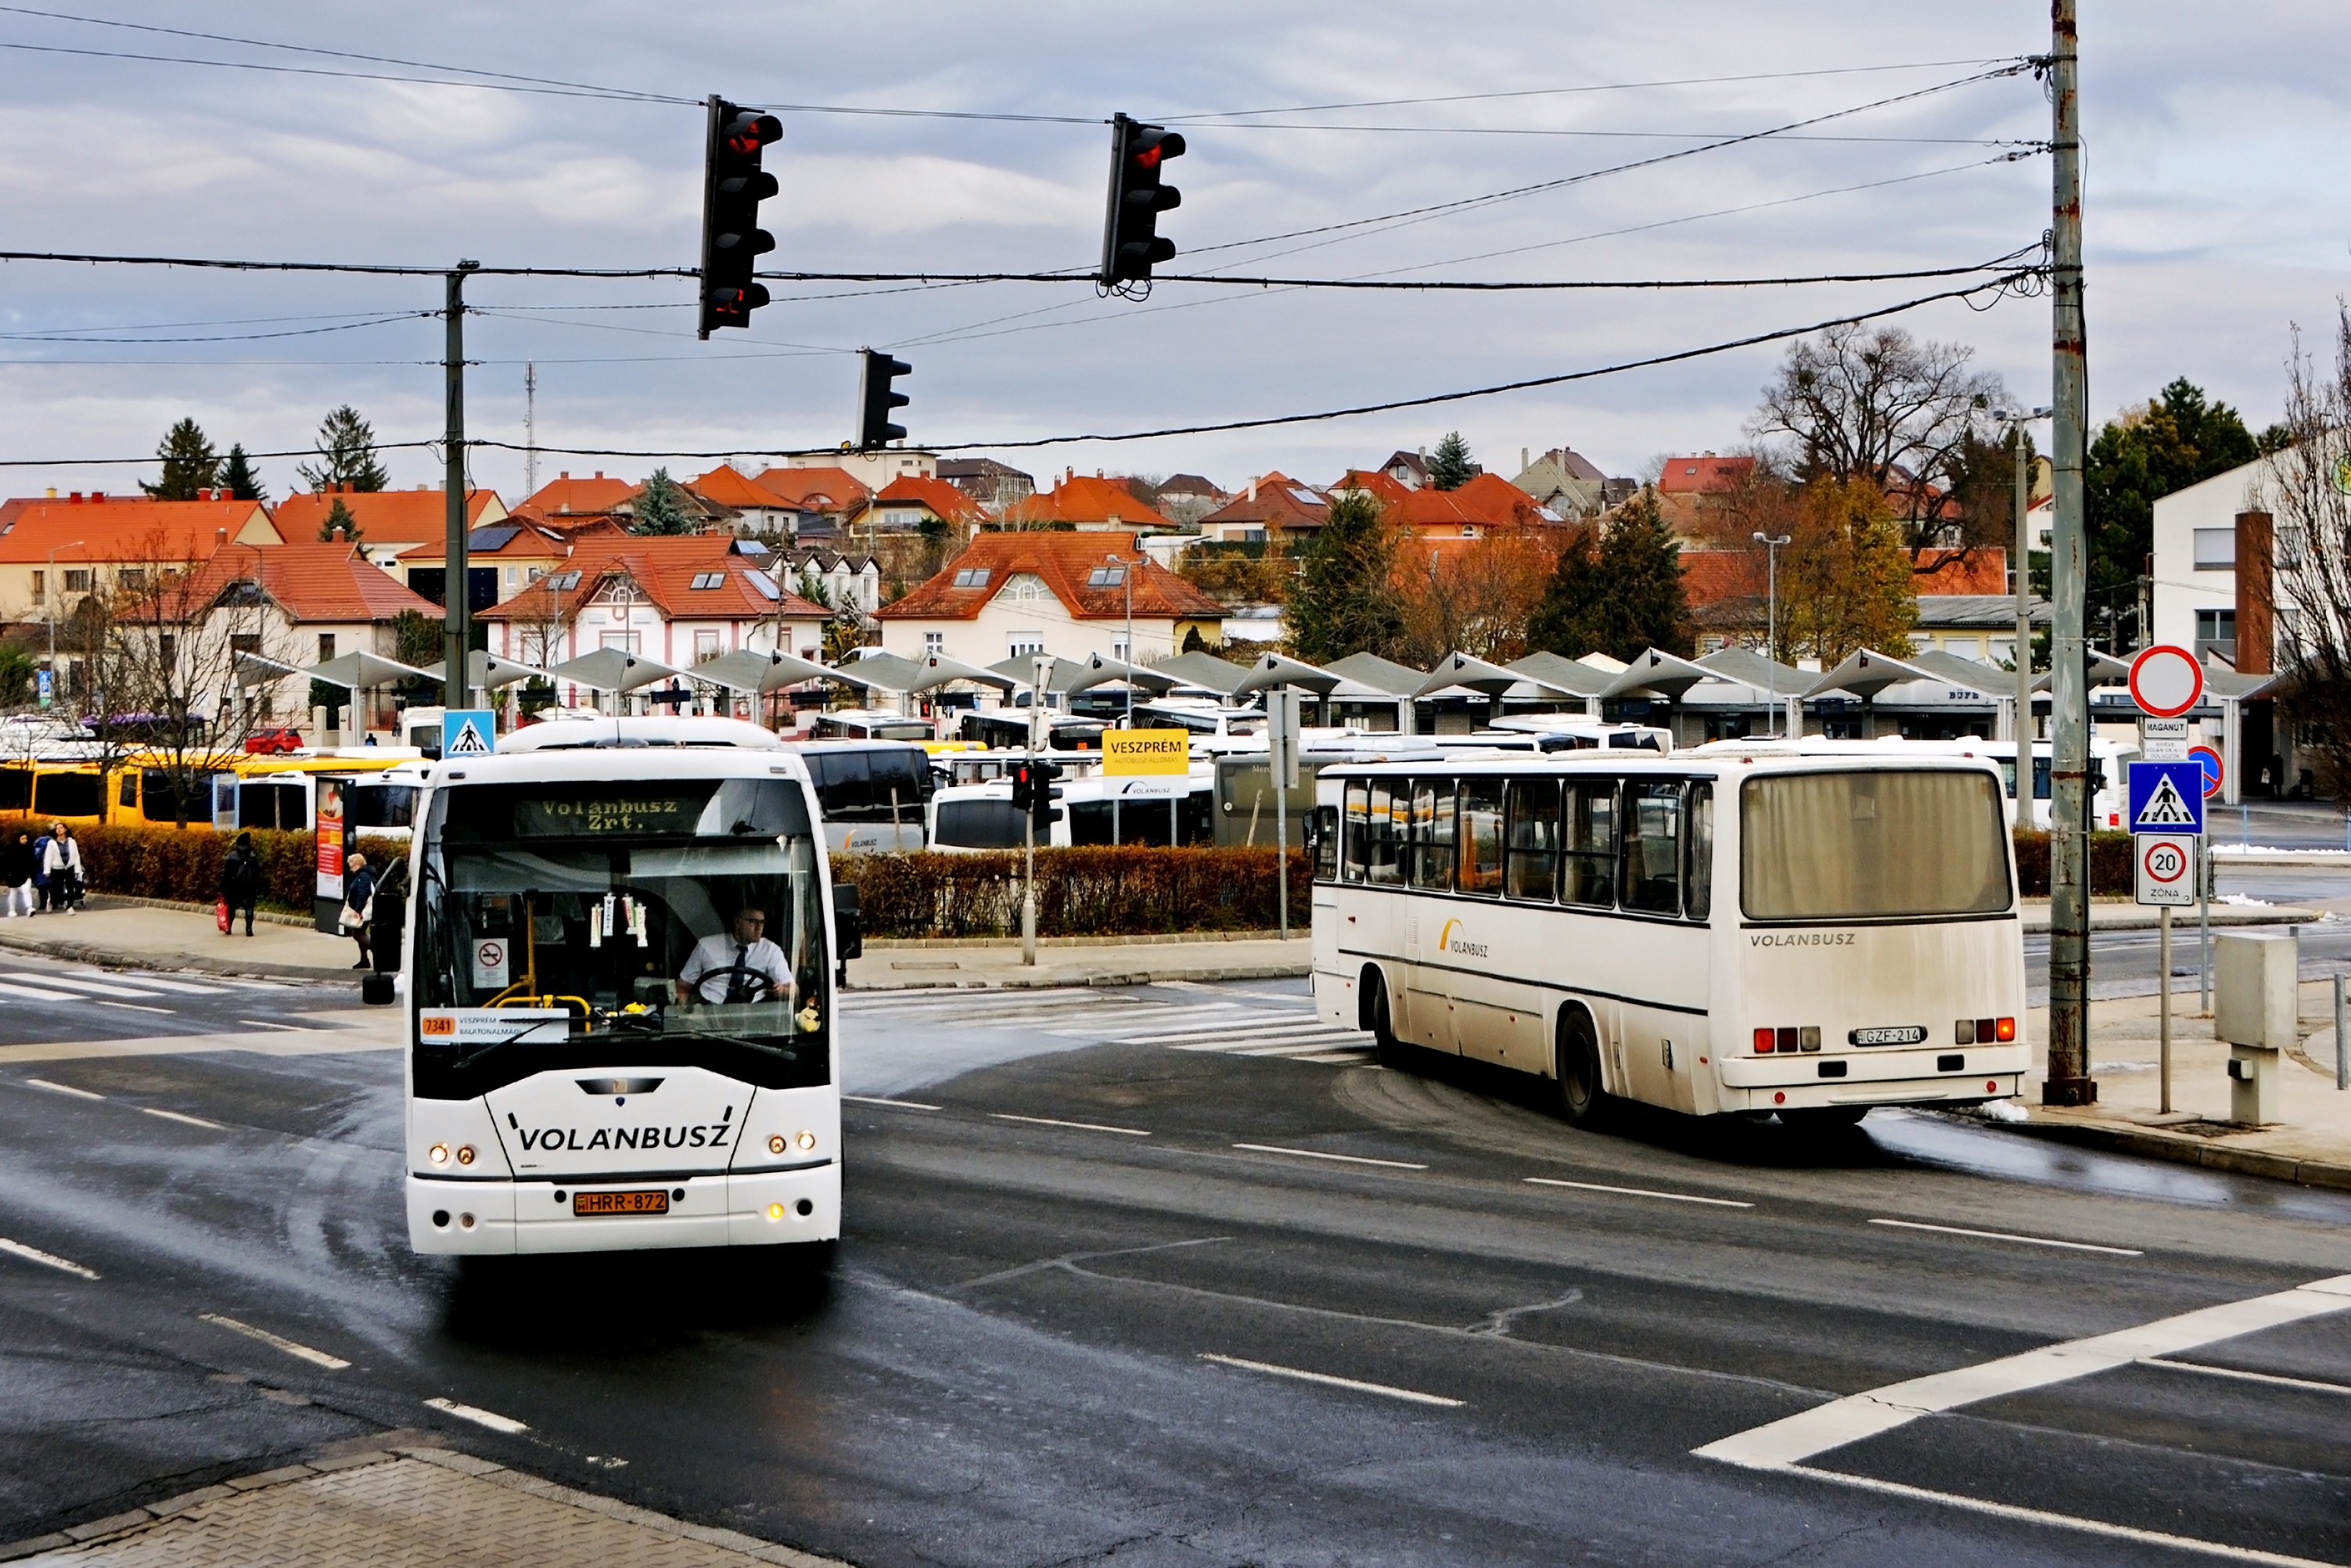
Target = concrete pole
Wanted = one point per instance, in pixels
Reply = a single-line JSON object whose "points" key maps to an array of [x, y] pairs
{"points": [[2023, 736], [2069, 1081], [455, 600]]}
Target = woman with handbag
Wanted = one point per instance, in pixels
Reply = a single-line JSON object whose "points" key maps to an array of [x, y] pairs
{"points": [[359, 904], [61, 857]]}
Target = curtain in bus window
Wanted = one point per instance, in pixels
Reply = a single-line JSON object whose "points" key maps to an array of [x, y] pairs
{"points": [[1652, 811], [1357, 851], [1380, 837], [1531, 860], [1588, 861], [1697, 874], [1481, 836], [1432, 832], [1830, 846]]}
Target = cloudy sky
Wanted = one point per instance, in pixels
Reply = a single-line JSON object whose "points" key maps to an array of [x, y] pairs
{"points": [[2216, 136]]}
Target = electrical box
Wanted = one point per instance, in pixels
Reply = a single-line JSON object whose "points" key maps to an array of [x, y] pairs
{"points": [[2254, 999]]}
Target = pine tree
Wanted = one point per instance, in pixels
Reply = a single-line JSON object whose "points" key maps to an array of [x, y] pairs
{"points": [[189, 463], [1340, 603], [1451, 469], [346, 456], [1620, 595], [660, 508], [338, 517], [238, 475]]}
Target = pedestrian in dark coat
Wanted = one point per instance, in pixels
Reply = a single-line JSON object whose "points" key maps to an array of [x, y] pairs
{"points": [[16, 872], [241, 880], [358, 900]]}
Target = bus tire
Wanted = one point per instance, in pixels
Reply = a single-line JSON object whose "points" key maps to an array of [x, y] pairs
{"points": [[1581, 1097], [1380, 1021]]}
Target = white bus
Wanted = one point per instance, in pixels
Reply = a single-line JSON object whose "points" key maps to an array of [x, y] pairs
{"points": [[1749, 931], [620, 1013]]}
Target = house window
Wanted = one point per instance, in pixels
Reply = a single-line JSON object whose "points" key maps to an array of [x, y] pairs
{"points": [[513, 578], [2216, 549], [132, 577], [934, 643], [77, 579], [1118, 649], [1025, 644], [2216, 633], [705, 646], [1965, 647], [1026, 586], [626, 641], [708, 579], [40, 586], [1107, 577], [168, 646], [969, 577], [325, 646], [244, 642]]}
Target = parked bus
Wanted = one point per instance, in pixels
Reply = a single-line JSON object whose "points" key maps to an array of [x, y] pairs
{"points": [[980, 816], [1007, 728], [637, 909], [282, 793], [871, 794], [869, 723], [1753, 930], [60, 791]]}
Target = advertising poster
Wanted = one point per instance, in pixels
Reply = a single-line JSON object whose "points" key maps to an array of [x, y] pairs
{"points": [[330, 838]]}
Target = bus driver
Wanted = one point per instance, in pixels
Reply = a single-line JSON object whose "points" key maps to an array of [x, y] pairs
{"points": [[740, 967]]}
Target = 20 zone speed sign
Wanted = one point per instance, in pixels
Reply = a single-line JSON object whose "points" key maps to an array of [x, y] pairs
{"points": [[2166, 865]]}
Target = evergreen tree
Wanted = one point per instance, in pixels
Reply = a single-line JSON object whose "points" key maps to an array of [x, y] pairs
{"points": [[346, 455], [243, 484], [1340, 603], [338, 517], [189, 463], [1451, 469], [2175, 441], [660, 508], [1620, 594]]}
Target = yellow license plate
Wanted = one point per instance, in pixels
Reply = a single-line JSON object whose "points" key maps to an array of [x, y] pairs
{"points": [[620, 1203]]}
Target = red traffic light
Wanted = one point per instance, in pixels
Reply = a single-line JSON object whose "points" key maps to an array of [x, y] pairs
{"points": [[750, 131]]}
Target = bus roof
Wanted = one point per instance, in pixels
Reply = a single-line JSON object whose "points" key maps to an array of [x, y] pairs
{"points": [[609, 734], [1716, 759]]}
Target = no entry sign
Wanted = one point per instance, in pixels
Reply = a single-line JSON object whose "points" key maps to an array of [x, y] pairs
{"points": [[2167, 680]]}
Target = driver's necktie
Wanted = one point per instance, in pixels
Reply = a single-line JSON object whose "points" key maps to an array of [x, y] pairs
{"points": [[738, 990]]}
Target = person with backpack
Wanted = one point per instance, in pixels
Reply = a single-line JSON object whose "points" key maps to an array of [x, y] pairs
{"points": [[61, 856], [240, 882], [359, 901], [16, 873]]}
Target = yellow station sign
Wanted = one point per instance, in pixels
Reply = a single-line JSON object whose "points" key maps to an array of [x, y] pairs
{"points": [[1139, 753]]}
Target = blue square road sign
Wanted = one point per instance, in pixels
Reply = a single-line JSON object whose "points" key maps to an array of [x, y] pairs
{"points": [[467, 732], [2167, 798]]}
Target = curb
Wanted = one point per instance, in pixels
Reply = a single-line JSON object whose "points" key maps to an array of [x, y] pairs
{"points": [[110, 958], [2183, 1149], [1145, 939], [1048, 980]]}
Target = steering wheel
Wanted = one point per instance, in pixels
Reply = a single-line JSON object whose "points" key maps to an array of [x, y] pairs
{"points": [[766, 984]]}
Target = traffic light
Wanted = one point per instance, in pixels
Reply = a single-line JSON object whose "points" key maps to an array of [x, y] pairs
{"points": [[1024, 787], [876, 401], [1131, 242], [1043, 793], [732, 189]]}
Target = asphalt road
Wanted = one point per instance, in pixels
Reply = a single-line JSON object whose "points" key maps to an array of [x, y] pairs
{"points": [[1176, 1275]]}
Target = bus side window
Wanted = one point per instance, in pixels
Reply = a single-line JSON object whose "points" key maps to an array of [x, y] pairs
{"points": [[1653, 809], [129, 795], [1481, 837], [1531, 860], [15, 789], [1697, 874], [1432, 834], [1323, 841], [1357, 851], [1588, 865], [1382, 838]]}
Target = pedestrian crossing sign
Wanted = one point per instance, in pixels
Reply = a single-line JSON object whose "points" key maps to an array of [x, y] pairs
{"points": [[467, 732], [2167, 797]]}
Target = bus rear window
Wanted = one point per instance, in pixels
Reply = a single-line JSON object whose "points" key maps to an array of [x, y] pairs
{"points": [[982, 825], [1849, 846]]}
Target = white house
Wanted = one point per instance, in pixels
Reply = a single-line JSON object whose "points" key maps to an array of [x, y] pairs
{"points": [[2196, 557], [1034, 591]]}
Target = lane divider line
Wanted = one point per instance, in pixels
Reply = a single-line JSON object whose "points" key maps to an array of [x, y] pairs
{"points": [[896, 1104], [1787, 1442], [1081, 1126], [64, 1089], [137, 1008], [2006, 1236], [2318, 1385], [302, 1352], [1640, 1192], [1411, 1395], [182, 1116], [34, 1254], [265, 1023], [480, 1416], [1320, 1154]]}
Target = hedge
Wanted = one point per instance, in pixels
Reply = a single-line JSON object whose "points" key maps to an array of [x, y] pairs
{"points": [[1113, 890], [184, 863], [2111, 867]]}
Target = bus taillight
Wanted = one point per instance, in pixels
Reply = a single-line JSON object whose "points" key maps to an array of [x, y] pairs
{"points": [[1787, 1042], [2004, 1028], [1764, 1039]]}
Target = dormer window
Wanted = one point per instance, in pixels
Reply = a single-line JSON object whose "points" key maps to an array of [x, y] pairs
{"points": [[972, 577], [708, 579], [1107, 577]]}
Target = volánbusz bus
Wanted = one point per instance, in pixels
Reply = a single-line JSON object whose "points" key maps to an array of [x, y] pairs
{"points": [[622, 1007], [1731, 930]]}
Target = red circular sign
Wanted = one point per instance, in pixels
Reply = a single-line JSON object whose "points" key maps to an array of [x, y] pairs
{"points": [[2166, 861], [2215, 770], [2167, 680]]}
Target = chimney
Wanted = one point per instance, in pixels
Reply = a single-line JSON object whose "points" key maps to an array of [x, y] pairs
{"points": [[1252, 491], [98, 495], [1523, 459], [2256, 600], [600, 473], [339, 533], [53, 491], [220, 538], [565, 475]]}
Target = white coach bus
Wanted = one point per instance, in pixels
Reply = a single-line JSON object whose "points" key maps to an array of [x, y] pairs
{"points": [[622, 959], [1742, 929]]}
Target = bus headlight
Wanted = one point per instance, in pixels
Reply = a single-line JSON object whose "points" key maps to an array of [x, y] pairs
{"points": [[438, 1154], [807, 1140], [464, 1154], [774, 1211], [776, 1144]]}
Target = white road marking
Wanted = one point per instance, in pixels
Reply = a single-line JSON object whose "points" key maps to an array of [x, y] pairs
{"points": [[899, 1104], [36, 1255], [2316, 1385], [1384, 1390], [265, 1023], [480, 1416], [63, 1089], [134, 1007], [1295, 1048], [182, 1116], [1794, 1438], [1081, 1126], [1640, 1192], [1332, 1058], [1251, 1026], [177, 986], [2005, 1236], [316, 1357], [28, 994], [1319, 1154]]}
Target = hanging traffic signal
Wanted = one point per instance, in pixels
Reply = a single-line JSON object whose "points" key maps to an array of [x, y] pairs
{"points": [[733, 187], [1043, 793], [1131, 242], [876, 401]]}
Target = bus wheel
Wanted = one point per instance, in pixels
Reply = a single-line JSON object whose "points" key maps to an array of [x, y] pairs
{"points": [[1581, 1097], [1825, 1118], [1382, 1021]]}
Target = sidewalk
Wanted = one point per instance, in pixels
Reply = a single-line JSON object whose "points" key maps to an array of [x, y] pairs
{"points": [[400, 1508], [170, 937], [1065, 962], [2124, 914]]}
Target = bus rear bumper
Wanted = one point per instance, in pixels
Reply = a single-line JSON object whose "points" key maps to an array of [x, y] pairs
{"points": [[488, 1218], [1972, 1090]]}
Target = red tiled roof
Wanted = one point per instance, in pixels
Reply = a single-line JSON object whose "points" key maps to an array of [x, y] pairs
{"points": [[665, 567], [1712, 576], [1940, 571], [1688, 475], [1064, 561], [1486, 500], [125, 528], [1373, 482], [564, 497], [829, 490], [526, 542], [1280, 502], [1079, 499], [943, 500], [311, 582], [729, 486], [386, 516]]}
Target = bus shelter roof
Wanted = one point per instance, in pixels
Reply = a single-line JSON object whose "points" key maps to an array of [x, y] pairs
{"points": [[1378, 676], [252, 670], [1279, 670], [1973, 674], [1022, 670], [1101, 671], [1658, 674], [937, 669], [1548, 669], [1747, 667], [486, 671], [2105, 670], [745, 671], [1866, 673], [363, 669], [1459, 669], [611, 670], [1205, 671]]}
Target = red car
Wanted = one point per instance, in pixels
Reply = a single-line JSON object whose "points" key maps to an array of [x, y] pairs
{"points": [[273, 742]]}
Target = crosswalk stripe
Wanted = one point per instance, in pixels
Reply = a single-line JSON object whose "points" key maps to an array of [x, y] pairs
{"points": [[1255, 1022], [28, 994], [1259, 1024], [1285, 1049], [100, 988], [181, 986], [1247, 1045]]}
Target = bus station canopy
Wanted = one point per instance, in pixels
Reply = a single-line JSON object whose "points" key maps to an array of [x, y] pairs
{"points": [[1206, 671], [937, 669], [1656, 672], [252, 670], [1977, 676], [1866, 673], [745, 671], [1101, 671], [2105, 670], [1548, 669], [1376, 676], [611, 670], [484, 671], [1022, 670], [886, 671], [1276, 670], [363, 669], [1458, 669], [1746, 667]]}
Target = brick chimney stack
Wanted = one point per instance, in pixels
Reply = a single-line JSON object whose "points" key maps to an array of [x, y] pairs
{"points": [[2256, 595]]}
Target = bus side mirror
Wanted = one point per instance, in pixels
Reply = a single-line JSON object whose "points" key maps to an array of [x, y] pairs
{"points": [[376, 990], [848, 931]]}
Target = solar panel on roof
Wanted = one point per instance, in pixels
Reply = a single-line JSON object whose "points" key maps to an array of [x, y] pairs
{"points": [[495, 537]]}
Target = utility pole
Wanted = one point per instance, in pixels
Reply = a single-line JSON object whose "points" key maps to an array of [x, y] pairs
{"points": [[2023, 726], [456, 580], [531, 427], [1041, 671], [2069, 1081]]}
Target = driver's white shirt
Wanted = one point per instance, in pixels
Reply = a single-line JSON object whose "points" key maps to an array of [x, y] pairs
{"points": [[759, 954]]}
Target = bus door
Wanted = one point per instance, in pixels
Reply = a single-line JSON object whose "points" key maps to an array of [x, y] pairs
{"points": [[274, 801], [1665, 872], [1424, 1007]]}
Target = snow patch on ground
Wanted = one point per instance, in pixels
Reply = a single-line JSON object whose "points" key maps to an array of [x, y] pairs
{"points": [[2004, 1111]]}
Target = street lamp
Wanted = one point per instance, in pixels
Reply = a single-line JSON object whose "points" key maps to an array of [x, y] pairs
{"points": [[2022, 505], [1772, 614]]}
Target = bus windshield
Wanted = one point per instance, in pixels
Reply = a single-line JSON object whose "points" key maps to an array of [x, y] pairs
{"points": [[668, 923], [1881, 844]]}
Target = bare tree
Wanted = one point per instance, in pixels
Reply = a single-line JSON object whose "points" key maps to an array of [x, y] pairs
{"points": [[2306, 487]]}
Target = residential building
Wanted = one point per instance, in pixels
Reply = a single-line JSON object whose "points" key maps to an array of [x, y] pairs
{"points": [[502, 559], [1473, 510], [1090, 505], [1409, 469], [874, 469], [991, 484], [1029, 591], [703, 515], [564, 497], [2197, 536], [1184, 498], [1569, 484], [1272, 507], [388, 521], [906, 505], [55, 551], [846, 580], [819, 500], [758, 510], [1377, 483]]}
